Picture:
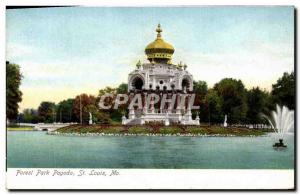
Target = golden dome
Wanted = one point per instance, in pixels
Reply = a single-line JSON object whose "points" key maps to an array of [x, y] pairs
{"points": [[159, 49]]}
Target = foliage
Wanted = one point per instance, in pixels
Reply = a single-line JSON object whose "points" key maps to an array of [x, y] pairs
{"points": [[257, 101], [283, 91], [211, 111], [170, 130], [64, 111], [138, 129], [29, 116], [122, 88], [46, 112], [233, 99], [111, 129], [114, 114], [13, 93], [88, 105], [200, 89], [197, 130]]}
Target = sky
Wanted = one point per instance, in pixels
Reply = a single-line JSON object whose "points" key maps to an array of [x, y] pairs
{"points": [[67, 51]]}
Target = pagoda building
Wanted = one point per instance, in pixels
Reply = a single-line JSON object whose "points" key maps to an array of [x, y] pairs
{"points": [[161, 77]]}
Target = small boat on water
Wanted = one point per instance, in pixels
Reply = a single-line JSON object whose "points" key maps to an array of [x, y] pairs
{"points": [[279, 144]]}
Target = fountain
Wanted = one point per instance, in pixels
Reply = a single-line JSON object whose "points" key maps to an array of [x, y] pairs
{"points": [[282, 121]]}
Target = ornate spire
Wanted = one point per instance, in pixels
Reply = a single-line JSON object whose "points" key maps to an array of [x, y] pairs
{"points": [[184, 66], [180, 65], [158, 30], [159, 50], [138, 64]]}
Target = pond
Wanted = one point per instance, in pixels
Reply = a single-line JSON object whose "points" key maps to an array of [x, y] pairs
{"points": [[33, 149]]}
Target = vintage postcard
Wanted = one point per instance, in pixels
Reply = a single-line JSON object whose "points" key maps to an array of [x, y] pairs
{"points": [[185, 97]]}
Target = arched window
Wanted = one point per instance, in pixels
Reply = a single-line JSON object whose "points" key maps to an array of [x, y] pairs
{"points": [[185, 84]]}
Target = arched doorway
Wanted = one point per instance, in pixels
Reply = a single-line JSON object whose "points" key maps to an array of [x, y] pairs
{"points": [[137, 83]]}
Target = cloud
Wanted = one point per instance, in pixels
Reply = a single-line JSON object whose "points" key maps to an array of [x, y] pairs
{"points": [[256, 64], [17, 50]]}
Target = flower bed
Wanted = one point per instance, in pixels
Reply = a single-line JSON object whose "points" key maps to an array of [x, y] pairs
{"points": [[159, 130]]}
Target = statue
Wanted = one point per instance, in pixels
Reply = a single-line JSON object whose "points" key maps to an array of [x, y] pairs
{"points": [[197, 119], [91, 119], [124, 120], [225, 121], [167, 121]]}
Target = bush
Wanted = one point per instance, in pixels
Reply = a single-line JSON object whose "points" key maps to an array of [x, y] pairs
{"points": [[169, 130], [138, 129], [112, 130], [197, 130]]}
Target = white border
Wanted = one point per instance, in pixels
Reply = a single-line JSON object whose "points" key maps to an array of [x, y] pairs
{"points": [[214, 178], [154, 179]]}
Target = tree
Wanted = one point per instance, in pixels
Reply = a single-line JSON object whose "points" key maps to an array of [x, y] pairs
{"points": [[233, 99], [113, 114], [257, 101], [200, 90], [29, 116], [122, 88], [283, 92], [212, 108], [46, 112], [13, 93], [65, 111], [88, 104], [79, 107]]}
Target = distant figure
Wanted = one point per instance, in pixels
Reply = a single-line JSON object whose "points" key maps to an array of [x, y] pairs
{"points": [[91, 119], [225, 121]]}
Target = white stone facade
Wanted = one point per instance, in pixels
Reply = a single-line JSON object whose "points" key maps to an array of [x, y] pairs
{"points": [[162, 78]]}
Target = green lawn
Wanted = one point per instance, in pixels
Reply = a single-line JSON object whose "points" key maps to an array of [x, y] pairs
{"points": [[19, 128]]}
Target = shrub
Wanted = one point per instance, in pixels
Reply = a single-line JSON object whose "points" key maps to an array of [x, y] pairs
{"points": [[170, 130], [138, 129], [198, 130]]}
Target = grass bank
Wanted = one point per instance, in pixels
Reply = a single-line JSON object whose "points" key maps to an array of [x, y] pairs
{"points": [[19, 128], [160, 129]]}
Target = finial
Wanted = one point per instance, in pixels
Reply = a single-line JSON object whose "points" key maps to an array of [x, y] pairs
{"points": [[180, 65], [138, 65], [184, 66], [158, 30]]}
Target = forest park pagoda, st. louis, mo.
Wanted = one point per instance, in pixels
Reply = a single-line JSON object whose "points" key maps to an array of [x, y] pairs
{"points": [[161, 77]]}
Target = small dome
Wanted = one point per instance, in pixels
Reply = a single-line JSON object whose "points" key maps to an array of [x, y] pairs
{"points": [[159, 49]]}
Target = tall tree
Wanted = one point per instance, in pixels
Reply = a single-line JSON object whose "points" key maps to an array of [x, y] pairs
{"points": [[113, 114], [47, 112], [13, 93], [65, 111], [88, 104], [283, 91], [257, 101], [200, 90], [234, 100], [212, 112], [80, 105], [29, 116], [122, 88]]}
